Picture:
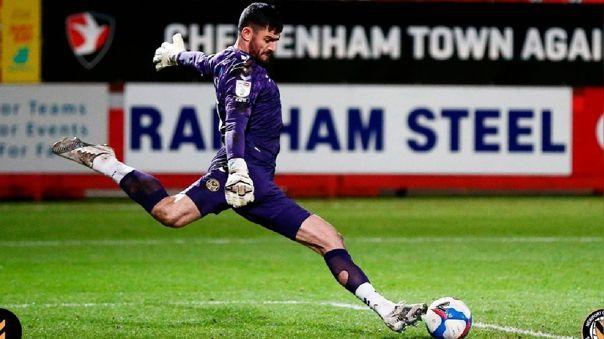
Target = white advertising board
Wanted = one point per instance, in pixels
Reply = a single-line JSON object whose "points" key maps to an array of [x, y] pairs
{"points": [[33, 117], [367, 129]]}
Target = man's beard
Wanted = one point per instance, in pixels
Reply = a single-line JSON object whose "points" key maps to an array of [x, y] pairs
{"points": [[255, 52]]}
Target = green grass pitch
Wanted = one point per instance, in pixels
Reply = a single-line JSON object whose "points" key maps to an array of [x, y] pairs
{"points": [[524, 265]]}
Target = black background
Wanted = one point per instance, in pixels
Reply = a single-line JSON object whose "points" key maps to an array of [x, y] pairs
{"points": [[139, 30]]}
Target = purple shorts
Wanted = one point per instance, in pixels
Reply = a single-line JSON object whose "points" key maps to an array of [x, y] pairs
{"points": [[271, 208]]}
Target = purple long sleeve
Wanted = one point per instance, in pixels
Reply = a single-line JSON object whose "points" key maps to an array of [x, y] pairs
{"points": [[202, 62], [236, 121], [240, 97]]}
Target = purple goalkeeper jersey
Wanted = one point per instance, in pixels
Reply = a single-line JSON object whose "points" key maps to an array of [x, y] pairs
{"points": [[248, 106]]}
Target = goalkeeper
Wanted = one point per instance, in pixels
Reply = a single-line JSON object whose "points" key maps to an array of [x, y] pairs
{"points": [[240, 176]]}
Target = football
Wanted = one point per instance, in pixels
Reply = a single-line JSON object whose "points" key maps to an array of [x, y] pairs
{"points": [[448, 318]]}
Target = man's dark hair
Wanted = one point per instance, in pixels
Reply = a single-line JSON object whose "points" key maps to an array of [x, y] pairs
{"points": [[260, 15]]}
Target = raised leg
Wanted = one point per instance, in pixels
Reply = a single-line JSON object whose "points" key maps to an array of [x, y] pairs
{"points": [[172, 211]]}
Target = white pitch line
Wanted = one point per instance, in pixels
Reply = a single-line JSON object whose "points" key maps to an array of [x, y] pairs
{"points": [[272, 302], [85, 305], [126, 242], [228, 241], [505, 329], [514, 330]]}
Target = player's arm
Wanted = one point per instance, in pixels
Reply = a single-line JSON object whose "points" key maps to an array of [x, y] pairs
{"points": [[239, 99], [200, 61], [174, 54]]}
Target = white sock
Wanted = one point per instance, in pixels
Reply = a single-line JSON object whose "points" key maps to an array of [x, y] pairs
{"points": [[111, 167], [374, 300]]}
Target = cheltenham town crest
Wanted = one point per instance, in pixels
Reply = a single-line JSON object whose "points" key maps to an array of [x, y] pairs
{"points": [[90, 35]]}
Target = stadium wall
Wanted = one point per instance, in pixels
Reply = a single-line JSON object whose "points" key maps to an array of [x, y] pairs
{"points": [[507, 138], [384, 97]]}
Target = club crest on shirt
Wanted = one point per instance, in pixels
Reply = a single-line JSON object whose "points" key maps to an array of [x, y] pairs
{"points": [[213, 185], [243, 88]]}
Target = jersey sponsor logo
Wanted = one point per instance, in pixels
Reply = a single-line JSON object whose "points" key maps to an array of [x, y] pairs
{"points": [[243, 88], [89, 35]]}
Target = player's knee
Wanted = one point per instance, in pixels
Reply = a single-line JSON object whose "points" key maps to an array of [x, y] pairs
{"points": [[168, 217], [332, 242], [177, 222]]}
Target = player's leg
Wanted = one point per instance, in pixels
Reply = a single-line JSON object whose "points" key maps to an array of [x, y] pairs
{"points": [[278, 213], [143, 188], [323, 238], [172, 211], [176, 211]]}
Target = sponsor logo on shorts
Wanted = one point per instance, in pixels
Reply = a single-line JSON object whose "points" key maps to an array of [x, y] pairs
{"points": [[213, 185], [593, 327], [10, 327]]}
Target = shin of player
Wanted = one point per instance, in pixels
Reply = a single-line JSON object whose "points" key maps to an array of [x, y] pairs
{"points": [[323, 238]]}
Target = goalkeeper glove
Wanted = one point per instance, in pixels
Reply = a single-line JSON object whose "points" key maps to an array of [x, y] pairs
{"points": [[239, 188], [166, 54]]}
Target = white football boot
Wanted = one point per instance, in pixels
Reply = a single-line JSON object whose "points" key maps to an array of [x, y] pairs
{"points": [[83, 153], [405, 315]]}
